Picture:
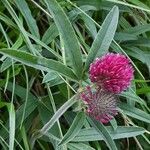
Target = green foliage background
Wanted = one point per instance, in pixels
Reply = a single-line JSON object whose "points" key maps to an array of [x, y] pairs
{"points": [[46, 47]]}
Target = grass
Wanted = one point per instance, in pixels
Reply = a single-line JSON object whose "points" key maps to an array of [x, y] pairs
{"points": [[46, 48]]}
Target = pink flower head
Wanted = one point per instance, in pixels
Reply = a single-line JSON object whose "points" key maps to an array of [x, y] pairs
{"points": [[101, 104], [112, 72]]}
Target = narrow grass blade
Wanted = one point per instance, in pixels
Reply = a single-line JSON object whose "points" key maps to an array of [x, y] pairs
{"points": [[24, 137], [3, 143], [26, 98], [30, 107], [129, 5], [8, 62], [19, 24], [11, 126], [7, 21]]}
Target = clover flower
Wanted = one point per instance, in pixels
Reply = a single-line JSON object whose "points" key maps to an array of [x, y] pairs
{"points": [[101, 104], [112, 72]]}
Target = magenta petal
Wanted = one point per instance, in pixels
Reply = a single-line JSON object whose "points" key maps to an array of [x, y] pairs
{"points": [[112, 71], [102, 106]]}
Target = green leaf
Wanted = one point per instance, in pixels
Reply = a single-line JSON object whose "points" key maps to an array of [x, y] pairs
{"points": [[37, 62], [139, 3], [104, 37], [67, 35], [135, 112], [2, 104], [133, 97], [101, 5], [104, 132], [11, 126], [137, 53], [143, 42], [8, 62], [3, 143], [19, 25], [24, 9], [12, 117], [91, 134], [143, 90], [52, 78], [89, 25], [74, 128], [50, 34], [24, 137], [113, 123], [125, 36], [95, 3], [30, 107], [129, 5], [79, 146], [58, 114], [138, 29], [45, 46], [7, 20], [54, 119]]}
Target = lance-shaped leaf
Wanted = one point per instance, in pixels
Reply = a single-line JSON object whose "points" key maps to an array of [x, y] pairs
{"points": [[91, 134], [24, 9], [104, 37], [39, 62], [67, 35], [74, 128], [105, 133]]}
